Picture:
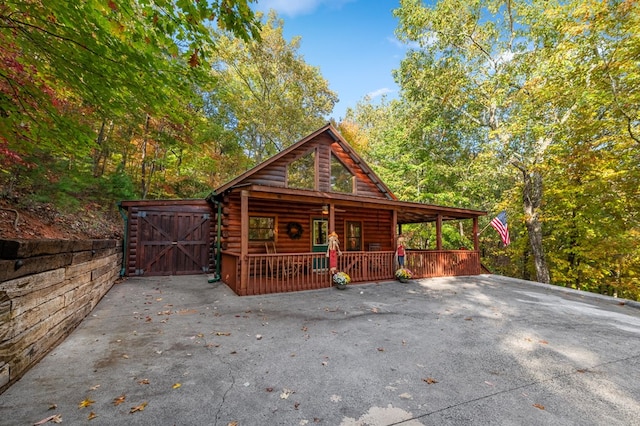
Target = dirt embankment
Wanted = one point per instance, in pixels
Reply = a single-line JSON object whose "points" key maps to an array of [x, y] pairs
{"points": [[45, 222]]}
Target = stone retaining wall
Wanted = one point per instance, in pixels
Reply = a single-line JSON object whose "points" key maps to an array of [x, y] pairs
{"points": [[46, 288]]}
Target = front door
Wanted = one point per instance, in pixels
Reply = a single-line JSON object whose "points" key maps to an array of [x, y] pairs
{"points": [[319, 243]]}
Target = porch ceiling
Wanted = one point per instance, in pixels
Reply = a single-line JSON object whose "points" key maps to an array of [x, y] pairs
{"points": [[407, 212]]}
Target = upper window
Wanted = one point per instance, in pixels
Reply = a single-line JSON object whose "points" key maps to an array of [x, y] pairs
{"points": [[301, 172], [341, 177], [262, 228]]}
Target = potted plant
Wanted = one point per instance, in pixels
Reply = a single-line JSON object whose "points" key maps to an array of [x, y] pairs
{"points": [[341, 279], [403, 275]]}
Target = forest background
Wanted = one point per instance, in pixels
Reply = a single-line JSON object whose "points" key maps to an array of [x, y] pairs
{"points": [[532, 107]]}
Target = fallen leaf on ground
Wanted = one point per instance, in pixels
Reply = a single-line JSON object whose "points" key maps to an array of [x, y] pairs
{"points": [[285, 393], [374, 310], [53, 406], [125, 356], [380, 349], [56, 418], [223, 333], [430, 380], [296, 405], [119, 400], [582, 370], [176, 385], [233, 423], [269, 389], [544, 342], [143, 382], [94, 387], [540, 406], [138, 407], [87, 402], [92, 416], [468, 319]]}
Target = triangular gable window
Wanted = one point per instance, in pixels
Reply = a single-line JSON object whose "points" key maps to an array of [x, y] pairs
{"points": [[341, 177], [301, 172]]}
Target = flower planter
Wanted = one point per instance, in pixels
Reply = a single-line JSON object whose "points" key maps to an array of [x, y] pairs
{"points": [[341, 286]]}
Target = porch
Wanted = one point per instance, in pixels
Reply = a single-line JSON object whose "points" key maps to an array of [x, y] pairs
{"points": [[284, 272]]}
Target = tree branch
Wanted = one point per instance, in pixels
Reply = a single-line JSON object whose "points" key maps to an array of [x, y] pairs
{"points": [[15, 222]]}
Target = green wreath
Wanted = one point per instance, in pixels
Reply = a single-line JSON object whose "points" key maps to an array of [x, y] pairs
{"points": [[294, 230]]}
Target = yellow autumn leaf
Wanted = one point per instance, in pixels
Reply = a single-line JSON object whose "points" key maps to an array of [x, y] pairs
{"points": [[119, 400], [92, 416], [138, 407], [176, 385], [87, 402]]}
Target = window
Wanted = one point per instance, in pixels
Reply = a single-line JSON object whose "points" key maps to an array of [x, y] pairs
{"points": [[341, 177], [354, 236], [301, 172], [262, 228]]}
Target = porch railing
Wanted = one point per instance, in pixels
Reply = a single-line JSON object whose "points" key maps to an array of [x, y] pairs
{"points": [[442, 263], [283, 272]]}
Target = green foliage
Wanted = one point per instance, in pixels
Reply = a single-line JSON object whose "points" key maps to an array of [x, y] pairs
{"points": [[268, 95], [531, 108]]}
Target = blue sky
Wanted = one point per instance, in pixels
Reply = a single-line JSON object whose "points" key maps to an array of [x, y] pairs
{"points": [[351, 41]]}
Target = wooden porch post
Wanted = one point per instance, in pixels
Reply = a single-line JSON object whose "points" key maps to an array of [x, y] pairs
{"points": [[394, 228], [439, 232], [332, 220], [476, 240], [244, 241]]}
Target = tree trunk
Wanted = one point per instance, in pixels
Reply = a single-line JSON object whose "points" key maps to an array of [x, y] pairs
{"points": [[144, 185], [532, 199]]}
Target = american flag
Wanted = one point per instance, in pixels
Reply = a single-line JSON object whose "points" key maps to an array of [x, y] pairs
{"points": [[499, 223]]}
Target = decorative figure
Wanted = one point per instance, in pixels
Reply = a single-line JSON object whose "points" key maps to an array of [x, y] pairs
{"points": [[333, 251], [400, 251]]}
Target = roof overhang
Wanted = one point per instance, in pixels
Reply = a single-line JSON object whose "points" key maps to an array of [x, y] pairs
{"points": [[407, 212]]}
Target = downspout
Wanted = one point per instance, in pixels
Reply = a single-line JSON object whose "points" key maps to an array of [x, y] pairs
{"points": [[123, 270], [217, 276]]}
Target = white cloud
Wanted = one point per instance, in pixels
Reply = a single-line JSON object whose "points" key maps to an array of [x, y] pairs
{"points": [[293, 8], [379, 92]]}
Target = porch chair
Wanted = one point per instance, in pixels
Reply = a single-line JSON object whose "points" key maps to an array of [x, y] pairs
{"points": [[283, 268]]}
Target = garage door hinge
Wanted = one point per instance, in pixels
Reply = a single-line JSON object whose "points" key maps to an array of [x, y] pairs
{"points": [[205, 216], [142, 214], [139, 271], [205, 269]]}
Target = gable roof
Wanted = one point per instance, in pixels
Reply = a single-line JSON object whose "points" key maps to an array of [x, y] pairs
{"points": [[336, 137]]}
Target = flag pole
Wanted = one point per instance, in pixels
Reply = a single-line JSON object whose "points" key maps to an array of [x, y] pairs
{"points": [[489, 224]]}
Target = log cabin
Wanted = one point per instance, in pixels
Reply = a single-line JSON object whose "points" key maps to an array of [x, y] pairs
{"points": [[272, 222]]}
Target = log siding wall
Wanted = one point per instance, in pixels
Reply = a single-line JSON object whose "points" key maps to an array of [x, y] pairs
{"points": [[47, 287]]}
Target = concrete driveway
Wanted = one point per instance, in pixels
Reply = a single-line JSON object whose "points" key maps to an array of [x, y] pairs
{"points": [[448, 351]]}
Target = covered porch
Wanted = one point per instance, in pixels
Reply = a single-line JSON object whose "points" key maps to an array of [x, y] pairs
{"points": [[295, 263]]}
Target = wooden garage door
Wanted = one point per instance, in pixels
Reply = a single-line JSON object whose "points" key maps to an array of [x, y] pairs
{"points": [[173, 240]]}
